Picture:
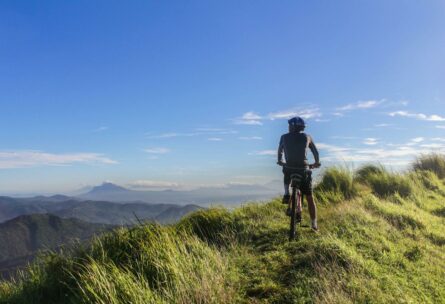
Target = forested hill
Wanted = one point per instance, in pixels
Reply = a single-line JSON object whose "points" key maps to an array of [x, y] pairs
{"points": [[22, 237]]}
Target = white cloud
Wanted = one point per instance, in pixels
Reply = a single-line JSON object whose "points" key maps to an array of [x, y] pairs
{"points": [[252, 118], [217, 131], [250, 138], [370, 141], [150, 184], [382, 125], [25, 159], [264, 152], [395, 155], [440, 127], [214, 139], [303, 113], [417, 139], [196, 132], [174, 134], [249, 118], [332, 148], [418, 116], [157, 150], [343, 137], [434, 146], [361, 105]]}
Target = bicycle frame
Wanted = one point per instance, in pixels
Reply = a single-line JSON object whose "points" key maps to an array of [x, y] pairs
{"points": [[296, 197], [295, 182]]}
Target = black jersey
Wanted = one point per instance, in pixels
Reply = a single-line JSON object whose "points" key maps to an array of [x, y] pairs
{"points": [[294, 145]]}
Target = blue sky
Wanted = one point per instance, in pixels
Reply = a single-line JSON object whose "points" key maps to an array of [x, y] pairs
{"points": [[182, 93]]}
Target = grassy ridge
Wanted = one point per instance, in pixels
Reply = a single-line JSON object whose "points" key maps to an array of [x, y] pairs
{"points": [[381, 241]]}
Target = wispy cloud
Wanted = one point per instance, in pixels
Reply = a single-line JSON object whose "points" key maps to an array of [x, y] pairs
{"points": [[382, 125], [417, 139], [253, 118], [418, 116], [333, 148], [214, 139], [249, 118], [157, 150], [370, 141], [220, 131], [304, 113], [101, 129], [151, 184], [173, 134], [264, 152], [367, 104], [25, 159], [440, 126], [196, 132], [392, 154], [250, 138]]}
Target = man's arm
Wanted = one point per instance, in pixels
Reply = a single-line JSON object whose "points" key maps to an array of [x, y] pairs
{"points": [[280, 151], [314, 150]]}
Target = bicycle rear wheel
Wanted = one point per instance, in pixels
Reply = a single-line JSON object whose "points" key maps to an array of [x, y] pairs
{"points": [[292, 217]]}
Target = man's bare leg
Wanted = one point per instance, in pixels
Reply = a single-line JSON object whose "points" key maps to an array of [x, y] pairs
{"points": [[312, 211]]}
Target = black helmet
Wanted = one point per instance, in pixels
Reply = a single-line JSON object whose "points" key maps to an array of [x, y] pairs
{"points": [[297, 122]]}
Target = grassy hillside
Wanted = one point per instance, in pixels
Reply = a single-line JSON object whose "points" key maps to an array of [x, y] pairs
{"points": [[381, 240]]}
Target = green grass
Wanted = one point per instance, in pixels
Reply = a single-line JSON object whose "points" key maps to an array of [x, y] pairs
{"points": [[433, 162], [378, 243]]}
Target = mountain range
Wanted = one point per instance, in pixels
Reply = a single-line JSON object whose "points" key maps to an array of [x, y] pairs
{"points": [[103, 212], [229, 194]]}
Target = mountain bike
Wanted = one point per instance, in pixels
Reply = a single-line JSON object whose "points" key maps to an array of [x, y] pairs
{"points": [[296, 195]]}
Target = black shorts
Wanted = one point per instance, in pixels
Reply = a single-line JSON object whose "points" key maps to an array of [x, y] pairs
{"points": [[305, 184]]}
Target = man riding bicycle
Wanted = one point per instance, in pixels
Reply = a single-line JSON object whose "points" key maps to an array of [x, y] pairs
{"points": [[294, 145]]}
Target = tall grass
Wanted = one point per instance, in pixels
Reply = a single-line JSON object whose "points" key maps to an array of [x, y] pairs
{"points": [[433, 162], [147, 264], [336, 184], [384, 183]]}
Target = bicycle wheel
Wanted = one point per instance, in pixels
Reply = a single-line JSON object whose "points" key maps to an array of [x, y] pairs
{"points": [[292, 217]]}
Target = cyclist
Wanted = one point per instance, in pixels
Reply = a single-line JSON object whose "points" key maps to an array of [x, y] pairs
{"points": [[294, 145]]}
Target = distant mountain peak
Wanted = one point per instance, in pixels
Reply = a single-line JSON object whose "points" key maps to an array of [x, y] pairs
{"points": [[107, 187]]}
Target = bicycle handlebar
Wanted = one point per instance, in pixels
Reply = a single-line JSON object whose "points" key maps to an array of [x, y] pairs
{"points": [[311, 166]]}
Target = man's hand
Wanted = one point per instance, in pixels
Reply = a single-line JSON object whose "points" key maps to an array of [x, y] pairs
{"points": [[280, 163], [316, 165]]}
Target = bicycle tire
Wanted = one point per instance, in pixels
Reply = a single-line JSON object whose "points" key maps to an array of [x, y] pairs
{"points": [[292, 230]]}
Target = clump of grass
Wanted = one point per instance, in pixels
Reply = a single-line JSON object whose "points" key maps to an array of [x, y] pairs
{"points": [[214, 225], [366, 171], [336, 184], [384, 183], [167, 267], [433, 162]]}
